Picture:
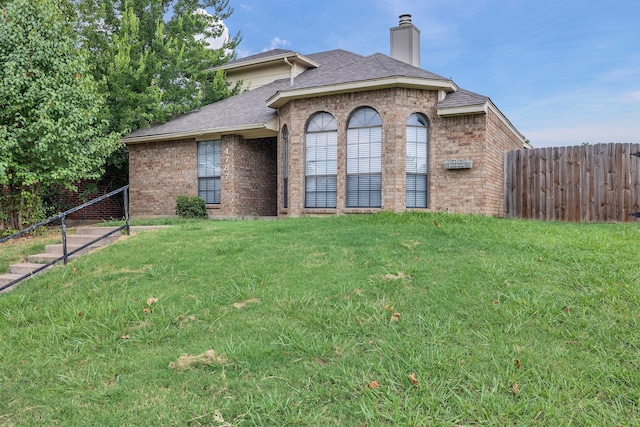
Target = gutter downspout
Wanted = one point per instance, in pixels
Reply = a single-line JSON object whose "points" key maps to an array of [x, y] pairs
{"points": [[286, 61]]}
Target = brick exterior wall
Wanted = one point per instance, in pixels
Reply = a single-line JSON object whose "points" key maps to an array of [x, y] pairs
{"points": [[248, 181], [459, 137], [252, 170], [482, 138], [160, 171], [107, 209], [499, 140]]}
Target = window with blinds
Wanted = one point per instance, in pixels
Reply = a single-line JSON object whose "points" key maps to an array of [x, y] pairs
{"points": [[321, 166], [416, 161], [364, 159], [209, 171]]}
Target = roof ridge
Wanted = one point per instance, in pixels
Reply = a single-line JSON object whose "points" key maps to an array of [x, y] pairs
{"points": [[319, 72], [336, 50], [378, 57]]}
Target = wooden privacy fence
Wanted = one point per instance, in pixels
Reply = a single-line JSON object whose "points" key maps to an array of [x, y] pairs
{"points": [[583, 183]]}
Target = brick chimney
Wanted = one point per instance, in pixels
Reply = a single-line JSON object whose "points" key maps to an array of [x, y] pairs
{"points": [[405, 42]]}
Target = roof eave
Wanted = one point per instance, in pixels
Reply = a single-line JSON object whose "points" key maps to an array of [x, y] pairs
{"points": [[282, 97], [463, 110], [296, 57], [256, 130]]}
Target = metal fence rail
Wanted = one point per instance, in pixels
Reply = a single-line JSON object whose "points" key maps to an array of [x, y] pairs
{"points": [[63, 219]]}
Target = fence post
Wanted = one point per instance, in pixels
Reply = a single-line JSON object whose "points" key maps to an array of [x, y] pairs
{"points": [[64, 238], [125, 196]]}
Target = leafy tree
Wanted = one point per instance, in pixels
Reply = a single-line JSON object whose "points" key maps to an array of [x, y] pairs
{"points": [[50, 130], [151, 56], [151, 59]]}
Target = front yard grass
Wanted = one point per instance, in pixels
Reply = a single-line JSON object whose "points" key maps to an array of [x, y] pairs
{"points": [[386, 319]]}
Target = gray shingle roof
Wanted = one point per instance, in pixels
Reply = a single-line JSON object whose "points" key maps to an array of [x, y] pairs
{"points": [[348, 68], [462, 98], [247, 108], [336, 67]]}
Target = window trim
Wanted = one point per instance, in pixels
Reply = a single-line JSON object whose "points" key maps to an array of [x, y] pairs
{"points": [[213, 178], [368, 190], [321, 123], [285, 167], [417, 121]]}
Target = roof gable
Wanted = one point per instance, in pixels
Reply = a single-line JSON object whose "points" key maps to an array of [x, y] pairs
{"points": [[359, 73], [376, 66]]}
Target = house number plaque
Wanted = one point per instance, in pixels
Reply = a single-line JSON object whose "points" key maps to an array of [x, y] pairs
{"points": [[226, 163]]}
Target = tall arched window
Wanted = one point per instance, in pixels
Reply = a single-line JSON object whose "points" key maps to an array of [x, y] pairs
{"points": [[364, 159], [416, 161], [321, 161], [285, 166]]}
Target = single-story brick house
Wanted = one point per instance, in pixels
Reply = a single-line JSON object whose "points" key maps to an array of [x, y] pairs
{"points": [[329, 133]]}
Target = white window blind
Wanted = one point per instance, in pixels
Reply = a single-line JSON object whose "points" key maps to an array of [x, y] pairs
{"points": [[417, 161], [321, 161], [209, 171], [364, 159]]}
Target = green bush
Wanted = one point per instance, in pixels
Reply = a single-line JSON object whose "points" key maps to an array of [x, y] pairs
{"points": [[190, 207], [7, 232]]}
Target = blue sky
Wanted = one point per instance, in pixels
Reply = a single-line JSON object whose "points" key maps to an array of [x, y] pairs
{"points": [[564, 72]]}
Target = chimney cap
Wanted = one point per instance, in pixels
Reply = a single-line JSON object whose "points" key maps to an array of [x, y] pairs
{"points": [[405, 19]]}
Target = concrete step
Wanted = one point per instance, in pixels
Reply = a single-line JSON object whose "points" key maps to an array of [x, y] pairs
{"points": [[96, 231], [24, 268], [6, 278], [82, 239], [83, 236], [53, 252], [44, 258], [57, 249]]}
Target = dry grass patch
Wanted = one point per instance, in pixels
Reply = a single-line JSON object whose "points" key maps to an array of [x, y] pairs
{"points": [[243, 304], [188, 361]]}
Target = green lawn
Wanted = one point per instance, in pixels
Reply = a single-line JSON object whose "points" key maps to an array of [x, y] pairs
{"points": [[379, 320]]}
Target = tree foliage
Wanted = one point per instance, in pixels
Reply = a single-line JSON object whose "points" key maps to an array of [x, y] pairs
{"points": [[79, 74], [50, 108], [152, 57]]}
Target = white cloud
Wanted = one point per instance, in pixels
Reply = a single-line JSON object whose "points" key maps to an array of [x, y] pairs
{"points": [[245, 6], [214, 42], [277, 42]]}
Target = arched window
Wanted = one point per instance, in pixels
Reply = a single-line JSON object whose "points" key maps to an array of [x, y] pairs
{"points": [[285, 166], [364, 159], [321, 161], [416, 161]]}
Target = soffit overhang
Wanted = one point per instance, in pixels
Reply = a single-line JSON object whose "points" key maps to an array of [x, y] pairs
{"points": [[292, 57], [250, 131], [280, 98]]}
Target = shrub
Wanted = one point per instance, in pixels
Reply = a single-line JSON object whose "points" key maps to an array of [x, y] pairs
{"points": [[190, 207]]}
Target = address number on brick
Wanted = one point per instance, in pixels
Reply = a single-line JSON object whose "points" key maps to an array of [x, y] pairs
{"points": [[226, 164]]}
